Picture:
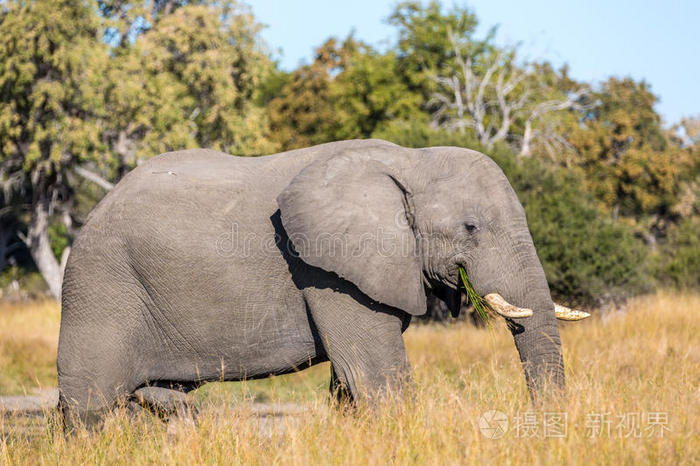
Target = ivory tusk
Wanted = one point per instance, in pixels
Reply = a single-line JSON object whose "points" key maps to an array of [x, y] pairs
{"points": [[564, 313], [504, 308]]}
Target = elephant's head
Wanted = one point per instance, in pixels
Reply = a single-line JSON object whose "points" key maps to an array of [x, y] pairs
{"points": [[398, 222]]}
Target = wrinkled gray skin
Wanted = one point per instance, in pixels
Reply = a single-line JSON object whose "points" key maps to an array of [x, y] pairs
{"points": [[199, 266]]}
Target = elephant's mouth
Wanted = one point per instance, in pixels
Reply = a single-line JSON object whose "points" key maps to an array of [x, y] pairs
{"points": [[497, 304]]}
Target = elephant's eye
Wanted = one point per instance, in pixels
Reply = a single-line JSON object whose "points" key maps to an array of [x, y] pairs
{"points": [[470, 227]]}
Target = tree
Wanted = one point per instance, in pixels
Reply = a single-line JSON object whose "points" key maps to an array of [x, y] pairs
{"points": [[51, 77], [687, 131], [678, 261], [304, 112], [488, 93], [588, 257], [349, 91], [629, 163], [370, 93], [85, 98], [423, 46], [189, 80]]}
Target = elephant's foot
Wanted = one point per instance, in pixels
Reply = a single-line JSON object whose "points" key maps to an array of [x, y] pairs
{"points": [[338, 391], [84, 406], [165, 402], [73, 419]]}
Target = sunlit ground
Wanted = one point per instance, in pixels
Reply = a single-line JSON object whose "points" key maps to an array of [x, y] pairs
{"points": [[633, 383]]}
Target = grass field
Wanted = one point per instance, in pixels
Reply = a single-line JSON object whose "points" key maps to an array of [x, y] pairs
{"points": [[633, 383]]}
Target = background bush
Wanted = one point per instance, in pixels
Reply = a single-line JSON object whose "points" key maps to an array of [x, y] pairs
{"points": [[677, 263]]}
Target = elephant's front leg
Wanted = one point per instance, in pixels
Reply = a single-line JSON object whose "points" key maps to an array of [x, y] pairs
{"points": [[363, 341]]}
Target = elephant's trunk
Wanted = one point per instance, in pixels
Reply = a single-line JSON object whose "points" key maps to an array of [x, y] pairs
{"points": [[537, 337], [538, 343], [523, 285]]}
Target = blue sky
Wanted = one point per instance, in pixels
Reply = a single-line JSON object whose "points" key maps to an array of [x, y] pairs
{"points": [[658, 41]]}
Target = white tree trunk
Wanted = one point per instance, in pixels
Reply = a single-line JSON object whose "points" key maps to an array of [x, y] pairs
{"points": [[95, 178], [527, 140], [40, 248]]}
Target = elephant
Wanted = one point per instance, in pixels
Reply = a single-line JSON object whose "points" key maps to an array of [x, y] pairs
{"points": [[200, 266]]}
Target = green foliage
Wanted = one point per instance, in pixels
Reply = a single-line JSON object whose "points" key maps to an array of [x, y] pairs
{"points": [[627, 160], [585, 254], [102, 85], [423, 45], [271, 86], [304, 113], [58, 235], [370, 93], [416, 133], [30, 282], [191, 81], [678, 259], [51, 76], [349, 91]]}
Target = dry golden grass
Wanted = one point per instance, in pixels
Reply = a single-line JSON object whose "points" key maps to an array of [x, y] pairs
{"points": [[28, 341], [642, 366]]}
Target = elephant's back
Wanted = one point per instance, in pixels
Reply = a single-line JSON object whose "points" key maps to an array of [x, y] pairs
{"points": [[198, 207], [191, 183], [190, 176], [183, 207], [188, 191]]}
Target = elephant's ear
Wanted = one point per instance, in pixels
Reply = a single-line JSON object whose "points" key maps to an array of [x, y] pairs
{"points": [[352, 215]]}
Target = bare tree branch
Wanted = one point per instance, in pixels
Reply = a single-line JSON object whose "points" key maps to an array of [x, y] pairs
{"points": [[491, 100], [571, 102], [472, 102], [94, 177]]}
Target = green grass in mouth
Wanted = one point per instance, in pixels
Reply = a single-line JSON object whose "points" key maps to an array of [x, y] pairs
{"points": [[477, 301]]}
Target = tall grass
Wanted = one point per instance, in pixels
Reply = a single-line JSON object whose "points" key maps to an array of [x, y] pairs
{"points": [[28, 342], [643, 364]]}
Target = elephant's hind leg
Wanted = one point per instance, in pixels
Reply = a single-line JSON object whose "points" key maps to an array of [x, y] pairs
{"points": [[96, 373], [85, 401], [97, 366]]}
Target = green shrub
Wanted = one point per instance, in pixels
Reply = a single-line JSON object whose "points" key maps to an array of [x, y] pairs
{"points": [[417, 133], [31, 283], [586, 256], [58, 237], [677, 261]]}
